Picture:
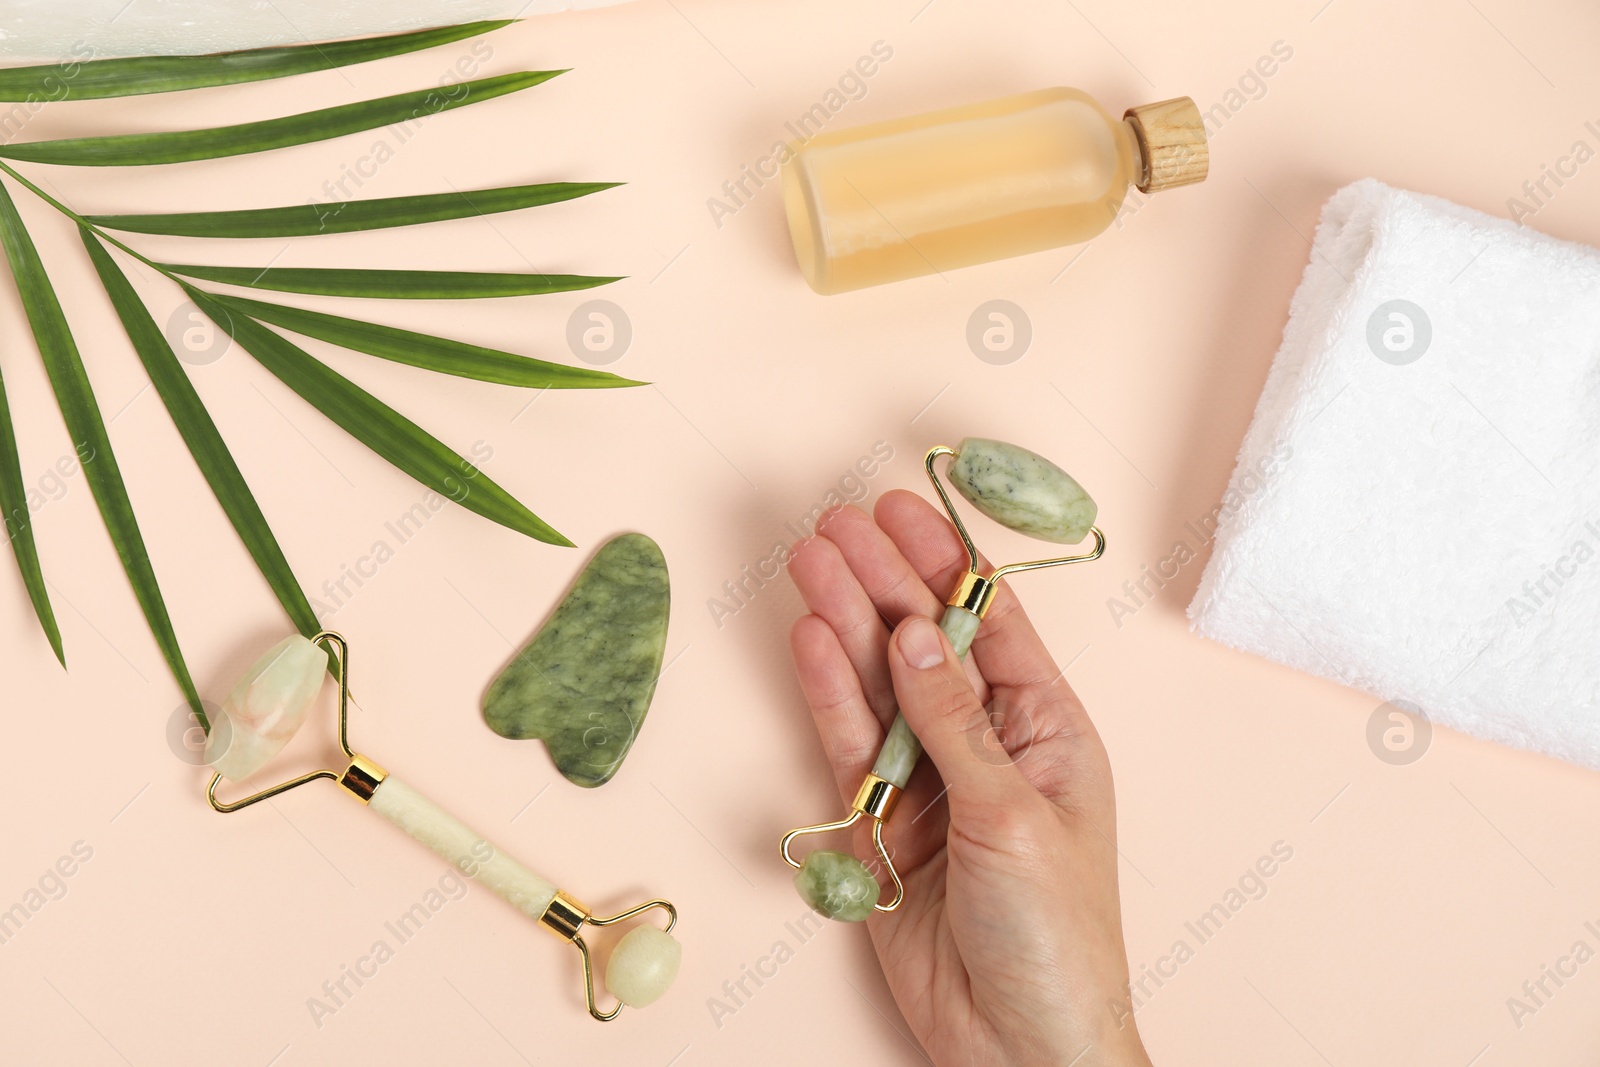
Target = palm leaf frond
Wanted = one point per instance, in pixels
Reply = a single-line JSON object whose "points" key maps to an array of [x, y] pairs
{"points": [[70, 382], [439, 354], [304, 220], [200, 434], [19, 529], [182, 146], [369, 420], [96, 79], [391, 284], [255, 324]]}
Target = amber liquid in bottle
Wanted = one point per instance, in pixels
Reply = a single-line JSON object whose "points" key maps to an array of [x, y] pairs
{"points": [[949, 189]]}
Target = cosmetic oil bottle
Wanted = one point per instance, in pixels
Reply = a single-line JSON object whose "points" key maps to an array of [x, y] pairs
{"points": [[949, 189]]}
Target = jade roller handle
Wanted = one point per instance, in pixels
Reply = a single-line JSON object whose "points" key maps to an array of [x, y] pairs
{"points": [[901, 749], [461, 846], [644, 962]]}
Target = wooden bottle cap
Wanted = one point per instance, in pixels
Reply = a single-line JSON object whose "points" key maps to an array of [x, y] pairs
{"points": [[1172, 139]]}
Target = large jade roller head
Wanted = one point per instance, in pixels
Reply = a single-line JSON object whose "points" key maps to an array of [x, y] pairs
{"points": [[268, 705], [1019, 490]]}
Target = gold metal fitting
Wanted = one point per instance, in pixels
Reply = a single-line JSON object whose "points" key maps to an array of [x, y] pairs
{"points": [[974, 593], [877, 797], [362, 778], [337, 642], [565, 917]]}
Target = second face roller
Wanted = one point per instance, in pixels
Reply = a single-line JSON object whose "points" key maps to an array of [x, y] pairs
{"points": [[1017, 489]]}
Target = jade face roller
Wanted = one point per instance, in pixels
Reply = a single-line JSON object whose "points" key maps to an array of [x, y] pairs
{"points": [[267, 706], [1017, 489]]}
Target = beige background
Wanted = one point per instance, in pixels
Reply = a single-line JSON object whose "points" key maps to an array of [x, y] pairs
{"points": [[1418, 899]]}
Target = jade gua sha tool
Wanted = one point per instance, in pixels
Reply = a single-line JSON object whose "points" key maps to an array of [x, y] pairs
{"points": [[267, 706], [1019, 490], [583, 684]]}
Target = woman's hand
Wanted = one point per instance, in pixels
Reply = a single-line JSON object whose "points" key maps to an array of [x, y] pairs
{"points": [[1008, 947]]}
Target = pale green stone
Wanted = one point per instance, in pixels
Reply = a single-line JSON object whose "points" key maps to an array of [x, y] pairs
{"points": [[838, 885], [643, 965], [960, 626], [901, 749], [1023, 491], [899, 754], [584, 683]]}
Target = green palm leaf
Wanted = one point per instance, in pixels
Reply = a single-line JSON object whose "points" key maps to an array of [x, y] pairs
{"points": [[254, 323], [199, 432], [390, 284], [181, 146], [369, 420], [304, 220], [138, 75], [426, 351], [75, 396], [19, 528]]}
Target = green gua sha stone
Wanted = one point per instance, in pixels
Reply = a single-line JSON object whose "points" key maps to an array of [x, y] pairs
{"points": [[838, 885], [1023, 491], [584, 683]]}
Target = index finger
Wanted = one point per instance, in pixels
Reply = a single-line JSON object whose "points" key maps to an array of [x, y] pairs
{"points": [[1008, 651]]}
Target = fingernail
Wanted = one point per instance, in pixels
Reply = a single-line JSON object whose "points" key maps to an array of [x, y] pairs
{"points": [[920, 644]]}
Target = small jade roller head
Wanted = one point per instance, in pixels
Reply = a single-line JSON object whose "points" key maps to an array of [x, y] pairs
{"points": [[1021, 491], [837, 885]]}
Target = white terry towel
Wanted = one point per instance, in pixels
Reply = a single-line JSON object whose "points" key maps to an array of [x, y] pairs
{"points": [[1416, 506], [84, 29]]}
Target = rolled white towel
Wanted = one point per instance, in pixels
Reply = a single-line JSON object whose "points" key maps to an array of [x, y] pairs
{"points": [[1416, 506]]}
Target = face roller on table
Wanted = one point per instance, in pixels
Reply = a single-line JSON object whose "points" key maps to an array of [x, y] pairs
{"points": [[263, 712], [1019, 490]]}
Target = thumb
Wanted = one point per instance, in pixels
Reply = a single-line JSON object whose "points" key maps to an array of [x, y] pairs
{"points": [[943, 711]]}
